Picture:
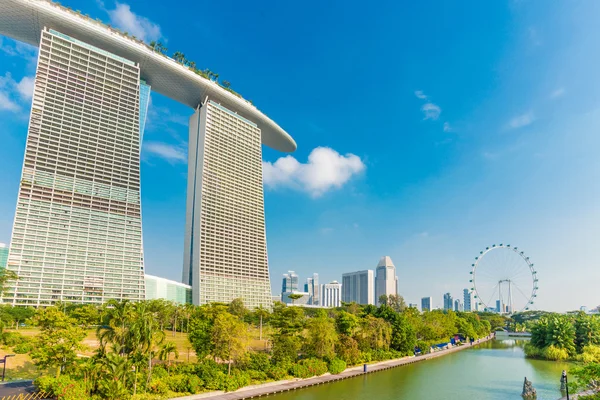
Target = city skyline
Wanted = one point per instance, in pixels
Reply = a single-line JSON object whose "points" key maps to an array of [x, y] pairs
{"points": [[458, 151]]}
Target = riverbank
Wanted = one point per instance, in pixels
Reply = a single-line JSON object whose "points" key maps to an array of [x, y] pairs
{"points": [[254, 391]]}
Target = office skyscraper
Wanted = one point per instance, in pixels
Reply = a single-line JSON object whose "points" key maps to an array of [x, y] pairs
{"points": [[3, 255], [386, 281], [332, 294], [469, 300], [458, 305], [358, 287], [312, 287], [426, 303], [289, 283], [447, 301], [77, 235]]}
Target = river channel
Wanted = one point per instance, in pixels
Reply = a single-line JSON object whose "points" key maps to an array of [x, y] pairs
{"points": [[489, 371]]}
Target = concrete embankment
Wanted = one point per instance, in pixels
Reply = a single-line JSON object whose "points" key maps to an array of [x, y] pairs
{"points": [[254, 391]]}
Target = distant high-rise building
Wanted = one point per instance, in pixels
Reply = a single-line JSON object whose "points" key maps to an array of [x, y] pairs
{"points": [[498, 306], [426, 304], [469, 301], [3, 255], [332, 294], [290, 282], [386, 281], [358, 287], [312, 287], [413, 305], [458, 305], [447, 301]]}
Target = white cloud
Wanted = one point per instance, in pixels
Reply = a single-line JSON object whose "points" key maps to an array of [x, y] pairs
{"points": [[170, 153], [325, 170], [420, 94], [521, 120], [25, 87], [447, 127], [142, 28], [13, 93], [431, 111], [6, 104], [557, 93]]}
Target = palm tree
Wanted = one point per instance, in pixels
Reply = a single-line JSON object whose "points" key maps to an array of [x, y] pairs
{"points": [[226, 84], [165, 352], [179, 56], [261, 312], [216, 76], [153, 45], [192, 65]]}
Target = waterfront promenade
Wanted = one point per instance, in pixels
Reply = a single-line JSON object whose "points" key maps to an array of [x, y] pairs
{"points": [[254, 391]]}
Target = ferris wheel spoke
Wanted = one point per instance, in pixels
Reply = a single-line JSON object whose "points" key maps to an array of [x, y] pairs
{"points": [[527, 298], [492, 296]]}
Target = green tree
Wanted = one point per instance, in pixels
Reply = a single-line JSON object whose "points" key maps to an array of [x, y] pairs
{"points": [[383, 300], [396, 302], [179, 56], [237, 308], [6, 276], [86, 315], [230, 338], [200, 328], [285, 348], [561, 334], [294, 297], [374, 334], [403, 336], [347, 323], [587, 330], [20, 314], [59, 340], [287, 320], [321, 337]]}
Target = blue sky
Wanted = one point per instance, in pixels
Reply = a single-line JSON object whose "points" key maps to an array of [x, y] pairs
{"points": [[425, 132]]}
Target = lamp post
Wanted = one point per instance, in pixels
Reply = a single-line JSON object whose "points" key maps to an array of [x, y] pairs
{"points": [[564, 378], [3, 361]]}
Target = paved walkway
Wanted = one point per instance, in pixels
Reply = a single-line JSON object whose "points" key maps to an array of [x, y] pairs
{"points": [[250, 392]]}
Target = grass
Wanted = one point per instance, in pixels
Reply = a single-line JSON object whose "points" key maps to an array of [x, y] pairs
{"points": [[21, 366]]}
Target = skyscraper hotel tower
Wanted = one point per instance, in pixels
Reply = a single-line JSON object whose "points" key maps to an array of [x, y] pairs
{"points": [[77, 234]]}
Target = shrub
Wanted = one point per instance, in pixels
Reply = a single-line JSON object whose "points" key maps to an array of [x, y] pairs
{"points": [[23, 348], [13, 338], [62, 388], [194, 384], [532, 352], [257, 375], [259, 362], [212, 374], [337, 366], [315, 366], [590, 354], [236, 380], [158, 386], [555, 353], [177, 383], [278, 373], [300, 371]]}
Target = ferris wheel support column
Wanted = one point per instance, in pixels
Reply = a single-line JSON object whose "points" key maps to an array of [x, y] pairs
{"points": [[509, 298]]}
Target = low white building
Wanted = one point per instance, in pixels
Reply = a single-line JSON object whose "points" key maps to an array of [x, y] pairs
{"points": [[301, 301], [331, 294]]}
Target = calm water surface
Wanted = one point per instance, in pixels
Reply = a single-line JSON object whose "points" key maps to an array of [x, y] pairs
{"points": [[490, 371]]}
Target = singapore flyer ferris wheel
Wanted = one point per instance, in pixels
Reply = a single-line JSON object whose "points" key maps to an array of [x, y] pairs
{"points": [[504, 280]]}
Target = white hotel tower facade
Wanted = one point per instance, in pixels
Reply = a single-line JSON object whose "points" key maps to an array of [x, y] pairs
{"points": [[77, 234]]}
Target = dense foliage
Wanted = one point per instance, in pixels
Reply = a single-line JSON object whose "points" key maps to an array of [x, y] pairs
{"points": [[135, 358]]}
